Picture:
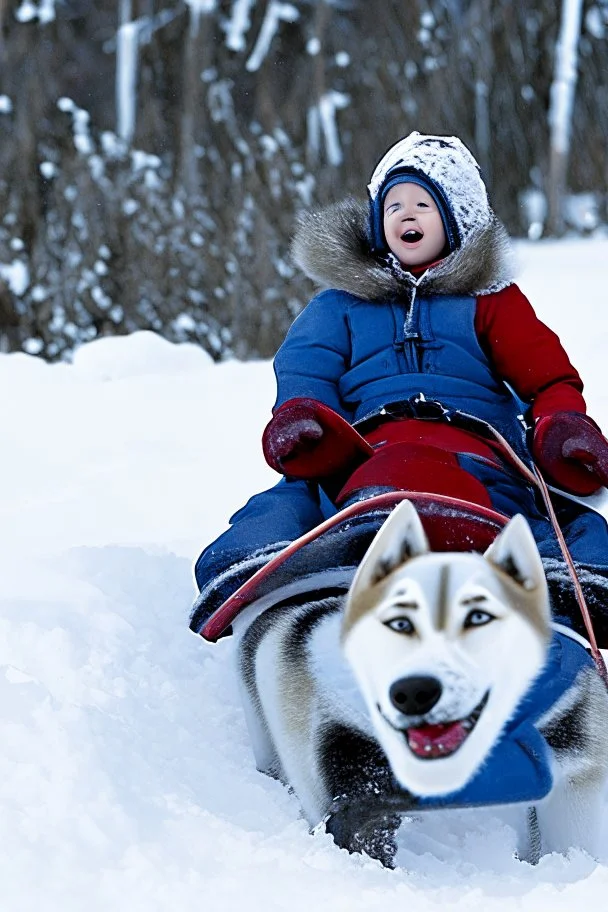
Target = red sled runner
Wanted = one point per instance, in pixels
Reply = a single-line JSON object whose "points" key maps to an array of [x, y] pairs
{"points": [[451, 524]]}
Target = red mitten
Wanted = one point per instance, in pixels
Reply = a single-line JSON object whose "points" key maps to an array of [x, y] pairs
{"points": [[571, 451], [307, 439], [292, 431]]}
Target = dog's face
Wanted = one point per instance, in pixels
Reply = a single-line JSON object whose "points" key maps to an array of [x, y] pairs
{"points": [[444, 646]]}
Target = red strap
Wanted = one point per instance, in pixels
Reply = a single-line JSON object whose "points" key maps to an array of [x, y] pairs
{"points": [[580, 597], [536, 479]]}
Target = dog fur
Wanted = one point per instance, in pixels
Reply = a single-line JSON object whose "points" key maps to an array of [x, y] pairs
{"points": [[325, 677]]}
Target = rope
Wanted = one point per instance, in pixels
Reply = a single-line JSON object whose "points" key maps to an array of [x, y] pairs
{"points": [[580, 597], [536, 479]]}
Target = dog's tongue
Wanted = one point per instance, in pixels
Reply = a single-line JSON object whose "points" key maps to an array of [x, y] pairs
{"points": [[430, 741]]}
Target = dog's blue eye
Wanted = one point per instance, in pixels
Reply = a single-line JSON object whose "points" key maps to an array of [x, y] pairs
{"points": [[478, 618], [401, 625]]}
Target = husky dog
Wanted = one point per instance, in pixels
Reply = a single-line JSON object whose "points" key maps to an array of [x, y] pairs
{"points": [[397, 694], [432, 639]]}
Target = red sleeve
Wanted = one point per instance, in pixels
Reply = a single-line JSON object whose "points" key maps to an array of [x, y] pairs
{"points": [[527, 354]]}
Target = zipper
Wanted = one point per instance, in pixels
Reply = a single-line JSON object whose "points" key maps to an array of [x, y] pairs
{"points": [[411, 335]]}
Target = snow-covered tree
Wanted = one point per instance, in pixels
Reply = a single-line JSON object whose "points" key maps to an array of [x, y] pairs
{"points": [[151, 171]]}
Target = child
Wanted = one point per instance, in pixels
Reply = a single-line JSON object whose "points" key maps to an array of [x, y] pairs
{"points": [[420, 300]]}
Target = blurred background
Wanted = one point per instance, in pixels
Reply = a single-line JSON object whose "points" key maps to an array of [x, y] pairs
{"points": [[154, 153]]}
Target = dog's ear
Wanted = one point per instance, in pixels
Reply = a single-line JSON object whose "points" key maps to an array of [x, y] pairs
{"points": [[515, 553], [399, 539]]}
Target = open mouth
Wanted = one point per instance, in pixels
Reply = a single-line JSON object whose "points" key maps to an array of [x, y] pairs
{"points": [[429, 742], [411, 236]]}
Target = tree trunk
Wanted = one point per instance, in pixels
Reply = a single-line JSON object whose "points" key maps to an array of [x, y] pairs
{"points": [[197, 60], [483, 85], [563, 92]]}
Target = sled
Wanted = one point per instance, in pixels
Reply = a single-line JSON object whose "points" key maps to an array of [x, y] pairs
{"points": [[451, 524], [465, 522]]}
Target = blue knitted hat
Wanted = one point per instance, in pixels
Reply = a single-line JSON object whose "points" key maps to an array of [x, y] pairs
{"points": [[407, 175]]}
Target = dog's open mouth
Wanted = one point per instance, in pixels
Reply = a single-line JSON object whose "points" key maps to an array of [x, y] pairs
{"points": [[411, 236], [428, 742]]}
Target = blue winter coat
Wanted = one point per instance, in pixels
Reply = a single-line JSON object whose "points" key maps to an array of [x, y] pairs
{"points": [[357, 356]]}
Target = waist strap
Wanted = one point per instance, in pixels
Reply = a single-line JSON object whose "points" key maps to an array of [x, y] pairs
{"points": [[431, 410]]}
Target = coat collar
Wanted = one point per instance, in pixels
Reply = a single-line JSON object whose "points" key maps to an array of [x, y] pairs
{"points": [[331, 246]]}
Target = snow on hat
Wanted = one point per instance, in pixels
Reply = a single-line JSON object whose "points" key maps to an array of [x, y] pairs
{"points": [[444, 167]]}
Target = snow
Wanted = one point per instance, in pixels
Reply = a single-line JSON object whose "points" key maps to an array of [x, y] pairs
{"points": [[329, 103], [126, 779], [48, 170], [201, 7], [321, 119], [143, 160], [80, 125], [198, 9], [238, 25], [276, 13], [28, 11], [16, 275], [595, 23]]}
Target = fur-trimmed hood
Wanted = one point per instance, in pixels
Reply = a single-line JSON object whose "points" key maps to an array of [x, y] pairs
{"points": [[332, 248]]}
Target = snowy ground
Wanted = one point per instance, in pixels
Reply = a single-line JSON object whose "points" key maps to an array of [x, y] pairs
{"points": [[126, 780]]}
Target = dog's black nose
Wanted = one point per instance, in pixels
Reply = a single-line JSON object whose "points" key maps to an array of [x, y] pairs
{"points": [[416, 695]]}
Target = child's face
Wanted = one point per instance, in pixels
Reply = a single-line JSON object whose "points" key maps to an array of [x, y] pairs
{"points": [[412, 225]]}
